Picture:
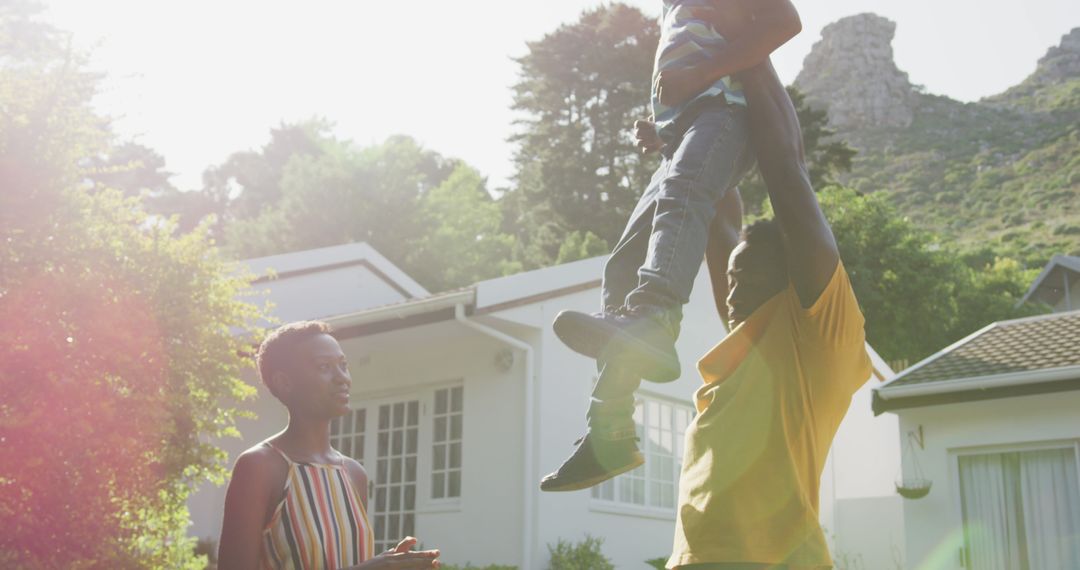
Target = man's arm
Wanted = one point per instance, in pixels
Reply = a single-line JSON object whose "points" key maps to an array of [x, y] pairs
{"points": [[777, 139], [774, 22]]}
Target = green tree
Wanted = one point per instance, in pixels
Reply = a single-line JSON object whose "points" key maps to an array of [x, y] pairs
{"points": [[431, 215], [917, 296], [250, 181], [117, 353], [826, 155], [242, 187], [581, 245], [134, 169], [581, 88], [463, 242], [345, 194], [991, 293]]}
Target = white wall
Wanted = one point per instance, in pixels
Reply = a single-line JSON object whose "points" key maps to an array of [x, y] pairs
{"points": [[932, 524], [868, 533], [858, 485], [485, 526]]}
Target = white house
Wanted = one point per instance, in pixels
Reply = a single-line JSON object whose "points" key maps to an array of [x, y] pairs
{"points": [[993, 424], [463, 399]]}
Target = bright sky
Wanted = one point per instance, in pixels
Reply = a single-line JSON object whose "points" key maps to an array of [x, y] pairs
{"points": [[200, 79]]}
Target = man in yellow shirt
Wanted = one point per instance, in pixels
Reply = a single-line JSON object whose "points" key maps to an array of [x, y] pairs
{"points": [[779, 384]]}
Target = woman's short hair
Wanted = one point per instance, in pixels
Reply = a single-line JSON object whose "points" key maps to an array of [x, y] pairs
{"points": [[276, 350]]}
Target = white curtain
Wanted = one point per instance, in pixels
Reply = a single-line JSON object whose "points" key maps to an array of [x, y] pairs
{"points": [[1051, 499], [989, 502], [1021, 510]]}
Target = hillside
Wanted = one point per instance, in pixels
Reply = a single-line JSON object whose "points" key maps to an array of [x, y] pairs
{"points": [[1001, 172]]}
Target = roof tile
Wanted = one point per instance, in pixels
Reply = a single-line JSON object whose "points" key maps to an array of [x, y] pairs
{"points": [[1023, 345]]}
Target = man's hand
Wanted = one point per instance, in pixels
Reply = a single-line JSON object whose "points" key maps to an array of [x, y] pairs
{"points": [[646, 137], [401, 557]]}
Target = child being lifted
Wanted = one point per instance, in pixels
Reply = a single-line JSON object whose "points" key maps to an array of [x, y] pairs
{"points": [[701, 130]]}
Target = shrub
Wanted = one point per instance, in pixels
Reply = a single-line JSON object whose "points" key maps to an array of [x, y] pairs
{"points": [[583, 555]]}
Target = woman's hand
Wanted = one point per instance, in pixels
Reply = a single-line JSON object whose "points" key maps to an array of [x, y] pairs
{"points": [[402, 557]]}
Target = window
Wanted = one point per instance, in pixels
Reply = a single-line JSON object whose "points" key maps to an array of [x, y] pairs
{"points": [[347, 433], [1021, 509], [395, 473], [661, 427], [446, 443], [392, 438]]}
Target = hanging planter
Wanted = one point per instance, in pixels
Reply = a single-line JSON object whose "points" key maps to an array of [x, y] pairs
{"points": [[913, 488], [917, 486]]}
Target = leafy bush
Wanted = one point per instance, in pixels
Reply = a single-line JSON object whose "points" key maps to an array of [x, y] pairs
{"points": [[119, 366], [583, 555]]}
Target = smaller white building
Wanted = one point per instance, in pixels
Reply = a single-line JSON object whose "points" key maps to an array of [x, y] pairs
{"points": [[993, 422], [464, 399], [1058, 285]]}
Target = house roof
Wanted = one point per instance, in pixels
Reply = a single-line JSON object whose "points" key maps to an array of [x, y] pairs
{"points": [[1022, 352], [1047, 287], [296, 263], [484, 297]]}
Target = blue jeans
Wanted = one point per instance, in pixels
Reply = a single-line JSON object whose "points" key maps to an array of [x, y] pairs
{"points": [[658, 256], [656, 260]]}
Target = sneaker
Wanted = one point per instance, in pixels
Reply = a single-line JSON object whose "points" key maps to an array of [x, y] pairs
{"points": [[641, 337], [594, 461]]}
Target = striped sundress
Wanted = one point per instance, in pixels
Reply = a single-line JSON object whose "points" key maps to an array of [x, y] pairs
{"points": [[320, 524]]}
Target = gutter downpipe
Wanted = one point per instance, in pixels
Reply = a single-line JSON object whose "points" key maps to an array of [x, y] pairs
{"points": [[530, 389]]}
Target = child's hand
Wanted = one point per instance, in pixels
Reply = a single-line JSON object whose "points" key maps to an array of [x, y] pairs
{"points": [[677, 86], [646, 137]]}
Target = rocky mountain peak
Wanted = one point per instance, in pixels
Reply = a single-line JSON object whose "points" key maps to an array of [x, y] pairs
{"points": [[851, 73], [1060, 65], [1060, 62]]}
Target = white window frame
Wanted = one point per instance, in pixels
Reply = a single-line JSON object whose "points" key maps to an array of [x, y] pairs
{"points": [[615, 506], [954, 475], [425, 504], [353, 433], [427, 442], [372, 405]]}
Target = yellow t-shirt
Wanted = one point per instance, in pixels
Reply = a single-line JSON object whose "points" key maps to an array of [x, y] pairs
{"points": [[775, 392]]}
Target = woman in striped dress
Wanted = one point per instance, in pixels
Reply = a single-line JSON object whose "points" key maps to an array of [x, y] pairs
{"points": [[293, 501]]}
